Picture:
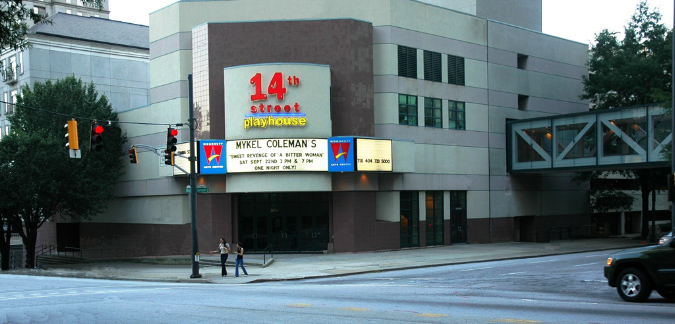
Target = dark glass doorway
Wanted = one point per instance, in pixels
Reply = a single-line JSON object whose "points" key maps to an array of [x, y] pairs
{"points": [[434, 204], [457, 216], [290, 222], [410, 219]]}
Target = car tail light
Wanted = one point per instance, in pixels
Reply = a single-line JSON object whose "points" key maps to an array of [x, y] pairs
{"points": [[609, 261]]}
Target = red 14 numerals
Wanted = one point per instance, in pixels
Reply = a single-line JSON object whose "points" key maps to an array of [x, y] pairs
{"points": [[276, 87]]}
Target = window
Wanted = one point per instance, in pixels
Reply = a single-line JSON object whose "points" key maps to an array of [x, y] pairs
{"points": [[407, 110], [455, 70], [410, 219], [12, 98], [4, 102], [407, 62], [7, 130], [434, 224], [20, 65], [42, 11], [433, 113], [432, 66], [457, 115]]}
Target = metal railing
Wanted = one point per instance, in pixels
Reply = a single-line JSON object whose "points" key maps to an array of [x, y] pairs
{"points": [[79, 253], [264, 252]]}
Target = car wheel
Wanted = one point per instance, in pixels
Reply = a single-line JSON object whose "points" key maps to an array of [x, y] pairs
{"points": [[633, 285], [668, 294]]}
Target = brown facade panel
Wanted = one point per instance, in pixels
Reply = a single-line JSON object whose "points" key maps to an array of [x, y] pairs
{"points": [[138, 239], [345, 45]]}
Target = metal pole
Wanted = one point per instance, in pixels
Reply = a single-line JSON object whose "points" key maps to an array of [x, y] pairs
{"points": [[193, 186]]}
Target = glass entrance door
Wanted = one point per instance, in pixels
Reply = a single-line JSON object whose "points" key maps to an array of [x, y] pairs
{"points": [[457, 216], [290, 222]]}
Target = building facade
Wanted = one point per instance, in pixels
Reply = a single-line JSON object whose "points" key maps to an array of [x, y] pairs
{"points": [[421, 88]]}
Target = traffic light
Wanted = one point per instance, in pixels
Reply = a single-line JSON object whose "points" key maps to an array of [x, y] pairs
{"points": [[96, 143], [71, 135], [133, 155], [171, 141]]}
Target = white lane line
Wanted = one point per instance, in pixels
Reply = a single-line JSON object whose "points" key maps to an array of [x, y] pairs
{"points": [[585, 264], [476, 269], [512, 273], [543, 261]]}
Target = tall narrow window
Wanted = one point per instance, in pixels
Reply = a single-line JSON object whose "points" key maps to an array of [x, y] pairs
{"points": [[407, 110], [457, 119], [433, 113], [407, 62], [434, 223], [12, 98], [455, 70], [410, 218], [20, 64], [432, 66], [5, 102]]}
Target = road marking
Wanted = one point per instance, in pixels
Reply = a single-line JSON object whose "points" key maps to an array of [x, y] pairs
{"points": [[299, 305], [355, 309], [512, 273], [514, 320], [71, 293], [543, 261], [432, 315], [585, 264], [476, 269]]}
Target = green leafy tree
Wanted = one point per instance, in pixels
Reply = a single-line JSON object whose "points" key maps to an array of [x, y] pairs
{"points": [[629, 72], [14, 18], [40, 180]]}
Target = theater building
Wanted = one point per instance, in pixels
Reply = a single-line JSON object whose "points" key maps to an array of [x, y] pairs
{"points": [[345, 126]]}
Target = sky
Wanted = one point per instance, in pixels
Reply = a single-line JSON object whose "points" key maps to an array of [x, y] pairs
{"points": [[577, 20]]}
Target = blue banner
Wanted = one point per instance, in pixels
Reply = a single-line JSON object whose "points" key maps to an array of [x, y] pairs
{"points": [[341, 154]]}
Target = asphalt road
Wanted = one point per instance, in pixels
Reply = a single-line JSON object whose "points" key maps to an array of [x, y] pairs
{"points": [[557, 289]]}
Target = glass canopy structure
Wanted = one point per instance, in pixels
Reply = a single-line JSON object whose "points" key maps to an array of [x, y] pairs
{"points": [[631, 137]]}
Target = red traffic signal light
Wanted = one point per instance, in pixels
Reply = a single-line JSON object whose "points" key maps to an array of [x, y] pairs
{"points": [[96, 143], [171, 141]]}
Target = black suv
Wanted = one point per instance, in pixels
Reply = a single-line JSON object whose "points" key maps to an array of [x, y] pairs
{"points": [[636, 272]]}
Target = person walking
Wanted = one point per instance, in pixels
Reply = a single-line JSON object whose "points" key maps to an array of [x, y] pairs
{"points": [[224, 249], [240, 261]]}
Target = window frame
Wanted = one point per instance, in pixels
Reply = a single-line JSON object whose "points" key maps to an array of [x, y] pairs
{"points": [[430, 118], [454, 113], [409, 107]]}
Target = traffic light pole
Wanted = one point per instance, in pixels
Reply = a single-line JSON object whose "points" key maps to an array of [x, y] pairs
{"points": [[193, 185]]}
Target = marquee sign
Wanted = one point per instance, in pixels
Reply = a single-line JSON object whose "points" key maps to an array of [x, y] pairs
{"points": [[373, 155], [277, 100], [283, 154]]}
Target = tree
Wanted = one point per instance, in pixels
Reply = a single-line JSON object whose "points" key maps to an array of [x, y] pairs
{"points": [[40, 180], [14, 18], [633, 71]]}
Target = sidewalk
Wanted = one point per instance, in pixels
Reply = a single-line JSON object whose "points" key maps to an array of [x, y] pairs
{"points": [[301, 266]]}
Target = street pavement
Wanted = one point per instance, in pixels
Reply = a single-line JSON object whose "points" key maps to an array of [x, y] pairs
{"points": [[303, 266]]}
